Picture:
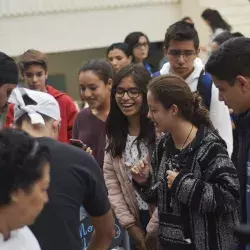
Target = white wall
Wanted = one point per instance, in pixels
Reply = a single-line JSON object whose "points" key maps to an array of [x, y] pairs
{"points": [[68, 63], [85, 28]]}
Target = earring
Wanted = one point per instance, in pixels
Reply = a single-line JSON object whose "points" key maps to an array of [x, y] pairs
{"points": [[14, 199]]}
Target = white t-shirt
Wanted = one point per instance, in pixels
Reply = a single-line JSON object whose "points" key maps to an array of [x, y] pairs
{"points": [[21, 239], [131, 157]]}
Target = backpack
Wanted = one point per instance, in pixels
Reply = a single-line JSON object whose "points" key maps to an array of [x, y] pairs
{"points": [[204, 86]]}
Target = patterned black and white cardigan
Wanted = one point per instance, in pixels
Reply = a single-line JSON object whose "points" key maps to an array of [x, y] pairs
{"points": [[199, 211]]}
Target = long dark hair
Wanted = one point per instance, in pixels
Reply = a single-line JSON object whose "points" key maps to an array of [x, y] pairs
{"points": [[215, 20], [117, 123], [132, 40], [169, 90]]}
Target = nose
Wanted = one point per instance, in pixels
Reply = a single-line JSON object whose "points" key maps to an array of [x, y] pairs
{"points": [[46, 198], [125, 96], [34, 79], [221, 98], [149, 115], [114, 62], [181, 60], [87, 93]]}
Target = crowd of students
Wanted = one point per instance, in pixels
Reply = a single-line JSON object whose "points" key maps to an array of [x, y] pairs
{"points": [[154, 149]]}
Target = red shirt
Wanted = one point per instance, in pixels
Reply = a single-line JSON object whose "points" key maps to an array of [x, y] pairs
{"points": [[68, 112]]}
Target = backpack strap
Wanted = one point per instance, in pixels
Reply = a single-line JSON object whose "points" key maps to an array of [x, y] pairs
{"points": [[204, 88], [156, 74]]}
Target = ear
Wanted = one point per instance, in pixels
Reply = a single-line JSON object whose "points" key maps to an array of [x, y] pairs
{"points": [[243, 84], [198, 52], [110, 83], [14, 197], [174, 110], [46, 74], [130, 58], [56, 126], [165, 50]]}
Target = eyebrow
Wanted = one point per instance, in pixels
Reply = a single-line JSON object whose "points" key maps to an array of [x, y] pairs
{"points": [[40, 72]]}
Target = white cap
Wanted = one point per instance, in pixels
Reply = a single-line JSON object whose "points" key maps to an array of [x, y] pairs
{"points": [[45, 104]]}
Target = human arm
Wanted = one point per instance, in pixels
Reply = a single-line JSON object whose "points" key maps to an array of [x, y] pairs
{"points": [[148, 188], [71, 116], [9, 120], [103, 233], [216, 191], [115, 195], [97, 205], [118, 202]]}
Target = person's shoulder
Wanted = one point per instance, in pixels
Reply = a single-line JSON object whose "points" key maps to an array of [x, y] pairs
{"points": [[163, 139], [210, 142], [86, 112], [59, 95], [162, 144], [27, 239], [68, 153]]}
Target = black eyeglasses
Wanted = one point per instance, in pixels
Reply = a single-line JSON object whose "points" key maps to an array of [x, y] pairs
{"points": [[139, 45], [132, 92], [186, 53]]}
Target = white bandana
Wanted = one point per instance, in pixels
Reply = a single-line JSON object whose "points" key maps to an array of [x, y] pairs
{"points": [[46, 105]]}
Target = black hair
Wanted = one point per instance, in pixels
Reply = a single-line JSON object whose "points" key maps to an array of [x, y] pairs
{"points": [[231, 59], [117, 122], [121, 46], [181, 31], [22, 162], [170, 90], [237, 34], [223, 37], [187, 18], [102, 68], [132, 40], [25, 117], [215, 20]]}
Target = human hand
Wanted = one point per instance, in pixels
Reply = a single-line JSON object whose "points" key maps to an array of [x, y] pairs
{"points": [[88, 150], [138, 236], [140, 171], [151, 241], [171, 177]]}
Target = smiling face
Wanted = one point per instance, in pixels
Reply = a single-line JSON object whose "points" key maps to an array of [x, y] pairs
{"points": [[128, 97], [94, 90], [162, 118]]}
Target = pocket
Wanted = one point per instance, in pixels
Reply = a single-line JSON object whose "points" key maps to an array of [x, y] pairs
{"points": [[171, 229]]}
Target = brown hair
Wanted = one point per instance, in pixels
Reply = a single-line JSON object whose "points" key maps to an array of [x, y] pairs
{"points": [[169, 90], [32, 57]]}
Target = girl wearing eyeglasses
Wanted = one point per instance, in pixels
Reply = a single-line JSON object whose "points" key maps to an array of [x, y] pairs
{"points": [[139, 44], [131, 136]]}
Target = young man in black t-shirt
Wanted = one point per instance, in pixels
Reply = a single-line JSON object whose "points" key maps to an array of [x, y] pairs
{"points": [[76, 179]]}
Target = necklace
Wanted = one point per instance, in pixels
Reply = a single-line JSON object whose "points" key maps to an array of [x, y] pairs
{"points": [[187, 137]]}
